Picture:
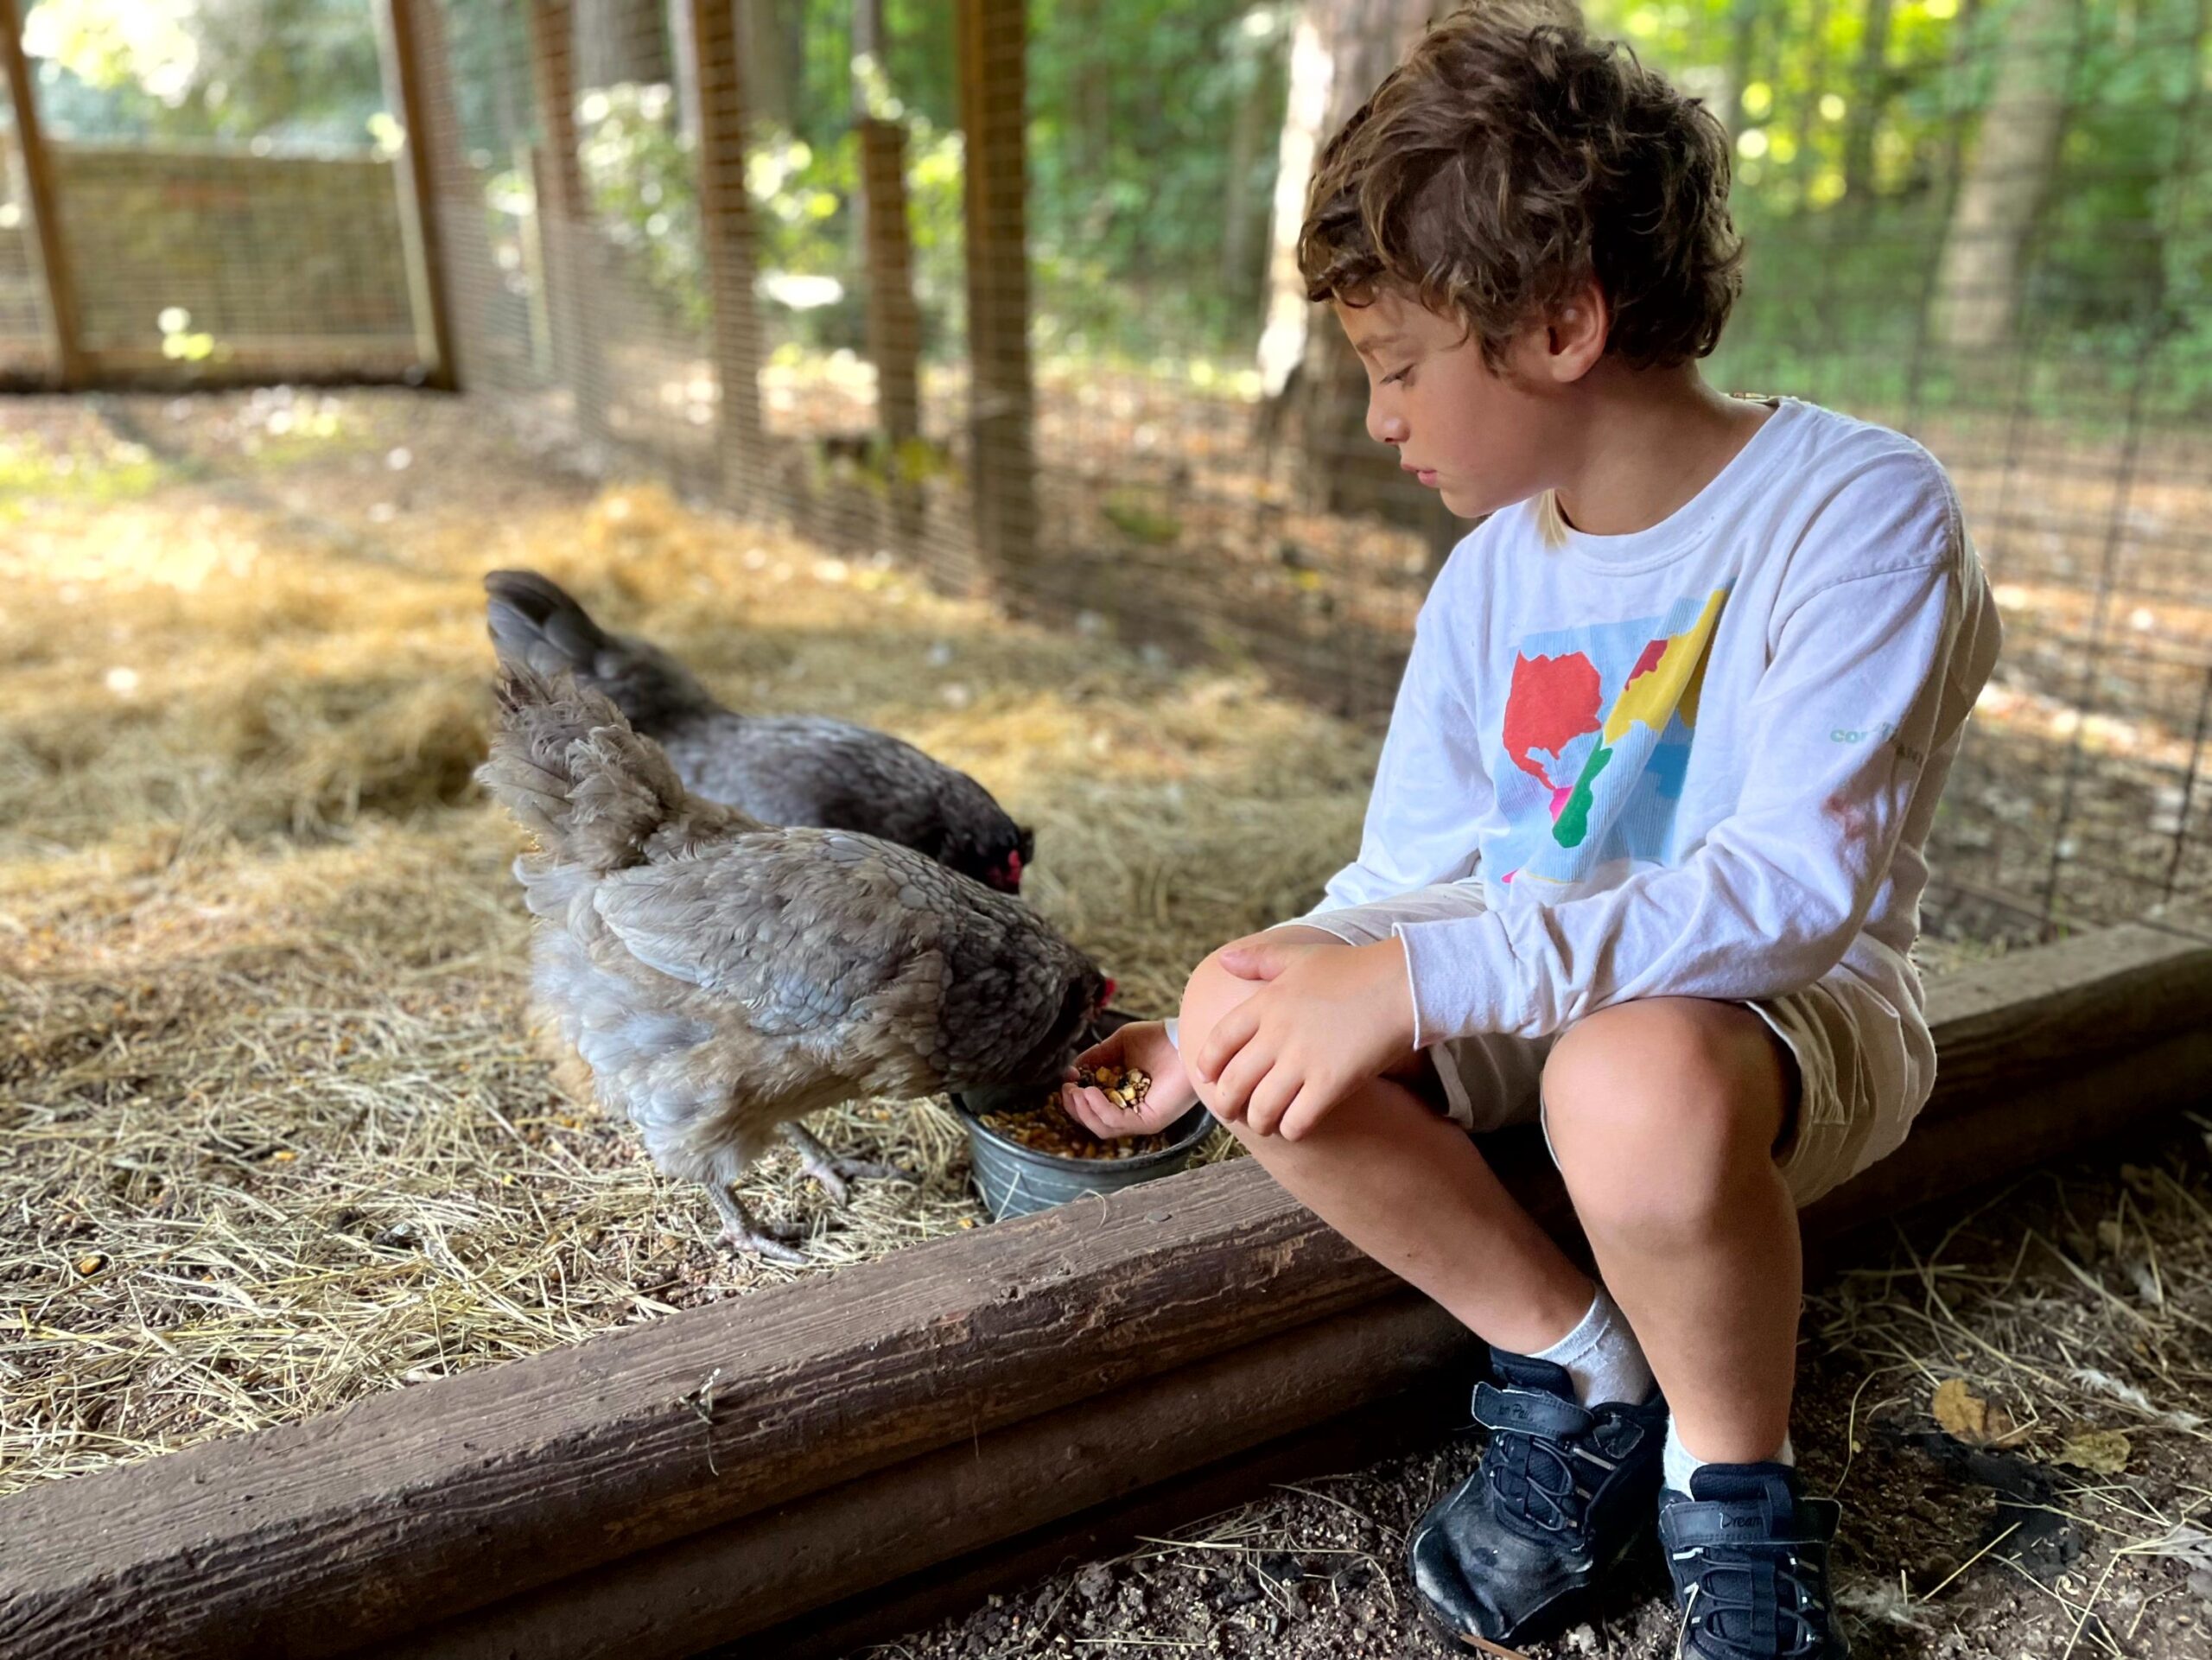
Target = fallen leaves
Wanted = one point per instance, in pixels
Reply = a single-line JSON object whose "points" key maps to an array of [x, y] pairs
{"points": [[2101, 1452], [1966, 1416]]}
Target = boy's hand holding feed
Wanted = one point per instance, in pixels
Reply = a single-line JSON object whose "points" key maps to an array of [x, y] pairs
{"points": [[1330, 1017], [1142, 1047]]}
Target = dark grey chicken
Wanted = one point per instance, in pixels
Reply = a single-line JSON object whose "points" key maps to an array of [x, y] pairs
{"points": [[782, 769], [722, 978]]}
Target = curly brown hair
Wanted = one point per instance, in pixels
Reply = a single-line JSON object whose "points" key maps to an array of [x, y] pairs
{"points": [[1510, 159]]}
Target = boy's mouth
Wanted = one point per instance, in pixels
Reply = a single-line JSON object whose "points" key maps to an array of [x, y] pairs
{"points": [[1426, 474]]}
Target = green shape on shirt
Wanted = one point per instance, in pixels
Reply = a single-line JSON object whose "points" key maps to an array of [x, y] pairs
{"points": [[1573, 821]]}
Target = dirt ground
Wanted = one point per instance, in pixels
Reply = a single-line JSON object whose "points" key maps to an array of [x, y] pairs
{"points": [[2069, 1319], [280, 1138]]}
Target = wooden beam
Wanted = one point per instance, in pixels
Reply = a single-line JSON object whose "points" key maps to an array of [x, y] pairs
{"points": [[1381, 1427], [1001, 424], [70, 370], [726, 226], [402, 25], [591, 1454], [610, 1467], [775, 1566]]}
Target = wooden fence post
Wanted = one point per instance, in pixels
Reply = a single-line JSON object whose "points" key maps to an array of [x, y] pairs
{"points": [[560, 184], [894, 322], [401, 27], [727, 237], [69, 366], [1001, 399]]}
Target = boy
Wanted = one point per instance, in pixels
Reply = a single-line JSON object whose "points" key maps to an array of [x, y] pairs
{"points": [[1643, 855]]}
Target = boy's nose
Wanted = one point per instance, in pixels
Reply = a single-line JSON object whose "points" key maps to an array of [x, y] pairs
{"points": [[1386, 429]]}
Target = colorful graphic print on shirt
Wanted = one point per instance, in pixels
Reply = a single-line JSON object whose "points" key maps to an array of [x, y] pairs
{"points": [[1596, 738]]}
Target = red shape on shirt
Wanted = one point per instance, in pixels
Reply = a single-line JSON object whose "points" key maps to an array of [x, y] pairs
{"points": [[1553, 701]]}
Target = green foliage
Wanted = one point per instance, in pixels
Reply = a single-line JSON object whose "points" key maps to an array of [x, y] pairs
{"points": [[645, 183], [2117, 278], [288, 71], [1133, 105], [1153, 131]]}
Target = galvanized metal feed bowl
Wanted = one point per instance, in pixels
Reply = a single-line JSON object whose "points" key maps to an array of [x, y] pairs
{"points": [[1017, 1180]]}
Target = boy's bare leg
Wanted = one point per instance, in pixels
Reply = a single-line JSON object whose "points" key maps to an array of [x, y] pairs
{"points": [[1407, 1187], [1663, 1115]]}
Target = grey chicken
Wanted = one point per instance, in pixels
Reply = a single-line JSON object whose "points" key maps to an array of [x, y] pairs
{"points": [[723, 979], [782, 769]]}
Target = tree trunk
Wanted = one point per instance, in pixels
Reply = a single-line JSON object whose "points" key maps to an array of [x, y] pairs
{"points": [[1337, 58], [1094, 106], [1240, 222], [1743, 51], [1869, 93], [869, 41], [683, 63], [770, 47], [1805, 164], [619, 41], [1316, 389], [1978, 288]]}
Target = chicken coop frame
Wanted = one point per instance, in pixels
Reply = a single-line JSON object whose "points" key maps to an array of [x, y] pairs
{"points": [[444, 259], [795, 1472]]}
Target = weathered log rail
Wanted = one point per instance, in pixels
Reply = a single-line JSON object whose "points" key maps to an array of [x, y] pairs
{"points": [[737, 1468]]}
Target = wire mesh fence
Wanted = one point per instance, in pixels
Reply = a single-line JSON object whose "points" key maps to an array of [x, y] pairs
{"points": [[266, 239], [1006, 290]]}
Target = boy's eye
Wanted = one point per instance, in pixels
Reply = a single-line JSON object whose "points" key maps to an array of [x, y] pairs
{"points": [[1400, 375]]}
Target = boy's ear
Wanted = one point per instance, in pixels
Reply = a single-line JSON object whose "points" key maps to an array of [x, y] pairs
{"points": [[1575, 337]]}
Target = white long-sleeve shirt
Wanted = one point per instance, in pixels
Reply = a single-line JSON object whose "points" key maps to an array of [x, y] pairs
{"points": [[1697, 760]]}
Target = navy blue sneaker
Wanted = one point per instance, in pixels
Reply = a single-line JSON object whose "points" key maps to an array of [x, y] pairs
{"points": [[1749, 1554], [1563, 1493]]}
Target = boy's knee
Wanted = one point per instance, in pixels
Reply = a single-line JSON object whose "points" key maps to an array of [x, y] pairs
{"points": [[1211, 992], [1207, 995], [1657, 1108]]}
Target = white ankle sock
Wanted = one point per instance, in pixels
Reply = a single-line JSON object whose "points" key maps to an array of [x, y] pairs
{"points": [[1681, 1461], [1601, 1356]]}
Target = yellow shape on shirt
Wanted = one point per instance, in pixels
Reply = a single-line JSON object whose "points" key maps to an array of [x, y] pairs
{"points": [[1672, 682]]}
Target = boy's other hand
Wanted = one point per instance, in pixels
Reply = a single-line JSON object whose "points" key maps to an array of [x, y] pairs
{"points": [[1331, 1017], [1143, 1045]]}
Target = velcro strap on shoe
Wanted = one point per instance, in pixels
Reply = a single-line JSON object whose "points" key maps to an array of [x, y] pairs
{"points": [[1744, 1524], [1760, 1625], [1531, 1412]]}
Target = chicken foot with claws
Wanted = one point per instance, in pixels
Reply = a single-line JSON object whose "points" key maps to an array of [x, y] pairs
{"points": [[835, 1171]]}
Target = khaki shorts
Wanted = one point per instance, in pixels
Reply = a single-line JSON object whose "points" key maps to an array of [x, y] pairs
{"points": [[1865, 1068]]}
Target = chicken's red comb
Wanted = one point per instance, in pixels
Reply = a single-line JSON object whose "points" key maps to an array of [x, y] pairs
{"points": [[1107, 996]]}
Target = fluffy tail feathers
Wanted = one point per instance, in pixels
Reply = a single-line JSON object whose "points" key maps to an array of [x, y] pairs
{"points": [[537, 624], [572, 771]]}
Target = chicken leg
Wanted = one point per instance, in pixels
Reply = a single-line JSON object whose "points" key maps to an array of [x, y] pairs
{"points": [[740, 1230], [834, 1171]]}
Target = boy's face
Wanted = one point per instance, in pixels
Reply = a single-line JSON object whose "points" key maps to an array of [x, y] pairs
{"points": [[1481, 439]]}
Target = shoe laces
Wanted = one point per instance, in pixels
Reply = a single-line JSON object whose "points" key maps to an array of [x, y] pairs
{"points": [[1751, 1603], [1546, 1483]]}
